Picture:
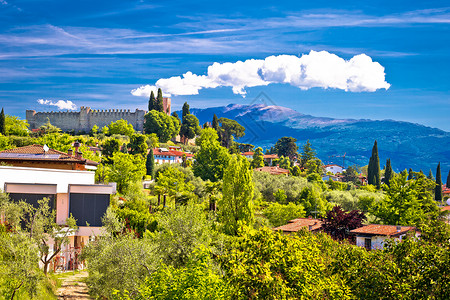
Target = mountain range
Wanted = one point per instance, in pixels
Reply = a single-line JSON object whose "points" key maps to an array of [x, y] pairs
{"points": [[408, 145]]}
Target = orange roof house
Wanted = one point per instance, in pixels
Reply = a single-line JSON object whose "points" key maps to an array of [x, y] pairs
{"points": [[300, 223], [38, 156], [373, 236]]}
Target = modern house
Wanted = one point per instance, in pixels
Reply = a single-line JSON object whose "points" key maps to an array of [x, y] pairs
{"points": [[373, 236], [64, 180], [295, 225], [333, 168], [38, 156], [171, 155]]}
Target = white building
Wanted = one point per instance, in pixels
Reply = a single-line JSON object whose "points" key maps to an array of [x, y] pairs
{"points": [[171, 156], [373, 236], [70, 192], [334, 169]]}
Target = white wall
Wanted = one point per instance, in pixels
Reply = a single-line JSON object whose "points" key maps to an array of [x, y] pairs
{"points": [[62, 178]]}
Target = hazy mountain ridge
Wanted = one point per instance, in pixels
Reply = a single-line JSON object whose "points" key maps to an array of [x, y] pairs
{"points": [[409, 145]]}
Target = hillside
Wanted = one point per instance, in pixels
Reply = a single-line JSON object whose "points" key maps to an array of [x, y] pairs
{"points": [[408, 145]]}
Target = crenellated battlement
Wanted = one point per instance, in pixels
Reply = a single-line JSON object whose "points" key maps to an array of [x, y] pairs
{"points": [[86, 118]]}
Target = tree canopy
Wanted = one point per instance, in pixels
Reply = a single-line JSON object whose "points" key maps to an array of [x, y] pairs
{"points": [[164, 126], [286, 146]]}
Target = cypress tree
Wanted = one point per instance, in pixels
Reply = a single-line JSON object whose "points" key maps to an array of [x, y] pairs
{"points": [[185, 110], [430, 175], [448, 180], [159, 106], [388, 173], [215, 122], [150, 163], [2, 122], [410, 174], [175, 115], [374, 167], [151, 101], [438, 187]]}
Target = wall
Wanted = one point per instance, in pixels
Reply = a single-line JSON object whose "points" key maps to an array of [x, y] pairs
{"points": [[62, 178]]}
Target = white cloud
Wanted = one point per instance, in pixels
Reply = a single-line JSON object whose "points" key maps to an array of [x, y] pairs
{"points": [[61, 104], [145, 90], [316, 69]]}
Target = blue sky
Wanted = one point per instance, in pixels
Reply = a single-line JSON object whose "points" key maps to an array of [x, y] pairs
{"points": [[95, 53]]}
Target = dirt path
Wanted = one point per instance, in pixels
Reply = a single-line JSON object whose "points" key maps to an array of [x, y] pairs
{"points": [[74, 288]]}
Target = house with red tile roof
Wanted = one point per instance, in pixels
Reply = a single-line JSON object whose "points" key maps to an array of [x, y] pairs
{"points": [[273, 170], [39, 156], [373, 236], [248, 154], [295, 225], [269, 158], [171, 155]]}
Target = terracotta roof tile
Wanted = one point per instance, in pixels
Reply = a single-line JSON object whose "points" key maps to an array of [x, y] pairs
{"points": [[386, 230], [157, 151], [297, 224], [273, 170]]}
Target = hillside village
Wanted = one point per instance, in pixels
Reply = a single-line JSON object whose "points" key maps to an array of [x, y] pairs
{"points": [[161, 206]]}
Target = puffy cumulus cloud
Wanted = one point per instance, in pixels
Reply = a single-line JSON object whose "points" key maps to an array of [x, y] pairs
{"points": [[145, 90], [61, 104], [316, 69]]}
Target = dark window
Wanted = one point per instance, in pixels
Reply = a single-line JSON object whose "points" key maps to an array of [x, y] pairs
{"points": [[88, 208], [33, 198], [368, 244]]}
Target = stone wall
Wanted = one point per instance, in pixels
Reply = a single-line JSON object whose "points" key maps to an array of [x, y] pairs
{"points": [[85, 119]]}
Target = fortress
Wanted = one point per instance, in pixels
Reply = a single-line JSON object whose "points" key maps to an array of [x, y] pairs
{"points": [[86, 118]]}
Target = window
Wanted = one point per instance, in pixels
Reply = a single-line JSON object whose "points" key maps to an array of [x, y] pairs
{"points": [[88, 208], [33, 198], [368, 243]]}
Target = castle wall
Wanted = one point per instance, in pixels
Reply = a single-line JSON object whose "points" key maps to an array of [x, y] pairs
{"points": [[85, 119]]}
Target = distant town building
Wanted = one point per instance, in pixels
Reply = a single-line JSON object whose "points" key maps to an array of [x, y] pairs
{"points": [[334, 169], [171, 155], [86, 118]]}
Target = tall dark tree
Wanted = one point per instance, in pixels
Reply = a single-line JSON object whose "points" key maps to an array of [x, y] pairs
{"points": [[150, 163], [388, 172], [151, 101], [438, 187], [448, 180], [410, 174], [215, 123], [430, 175], [2, 122], [185, 110], [374, 167], [159, 105], [175, 115], [339, 222], [229, 130], [286, 147], [308, 153], [190, 127]]}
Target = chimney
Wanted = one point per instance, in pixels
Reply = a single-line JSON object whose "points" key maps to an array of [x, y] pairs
{"points": [[399, 228], [79, 155], [70, 152], [76, 145], [310, 227]]}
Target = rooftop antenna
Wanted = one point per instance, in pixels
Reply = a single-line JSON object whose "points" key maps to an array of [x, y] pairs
{"points": [[46, 148]]}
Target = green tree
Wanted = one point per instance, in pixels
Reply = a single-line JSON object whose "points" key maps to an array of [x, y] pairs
{"points": [[185, 110], [430, 175], [159, 105], [126, 168], [138, 144], [94, 130], [389, 173], [407, 202], [175, 115], [279, 214], [374, 167], [448, 180], [2, 123], [351, 175], [172, 181], [438, 186], [258, 158], [166, 127], [236, 205], [190, 127], [410, 174], [211, 159], [49, 128], [229, 130], [308, 154], [15, 126], [150, 163], [215, 123], [109, 147], [286, 146], [151, 102], [121, 127]]}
